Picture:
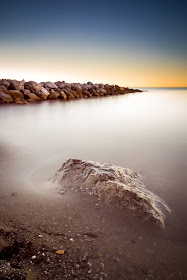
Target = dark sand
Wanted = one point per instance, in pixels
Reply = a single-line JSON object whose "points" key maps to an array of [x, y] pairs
{"points": [[100, 241]]}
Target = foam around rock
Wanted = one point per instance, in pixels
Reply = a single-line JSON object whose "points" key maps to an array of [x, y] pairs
{"points": [[114, 184]]}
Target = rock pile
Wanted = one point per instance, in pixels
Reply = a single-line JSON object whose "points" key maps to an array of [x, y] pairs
{"points": [[21, 92], [113, 184]]}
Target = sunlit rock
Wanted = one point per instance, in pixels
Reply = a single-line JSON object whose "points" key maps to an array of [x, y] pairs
{"points": [[3, 89], [113, 184], [31, 90], [53, 95], [33, 86], [5, 98], [30, 96], [16, 85], [62, 95], [5, 83], [43, 93], [60, 85], [16, 94], [50, 85]]}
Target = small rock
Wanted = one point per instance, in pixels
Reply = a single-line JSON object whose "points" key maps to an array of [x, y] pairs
{"points": [[60, 252]]}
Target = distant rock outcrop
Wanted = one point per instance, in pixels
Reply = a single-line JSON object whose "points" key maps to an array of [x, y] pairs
{"points": [[22, 92], [113, 184]]}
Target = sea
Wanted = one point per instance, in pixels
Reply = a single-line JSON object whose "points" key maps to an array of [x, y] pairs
{"points": [[144, 131]]}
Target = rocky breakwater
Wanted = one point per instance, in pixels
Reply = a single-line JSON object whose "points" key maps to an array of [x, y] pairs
{"points": [[21, 92], [113, 184]]}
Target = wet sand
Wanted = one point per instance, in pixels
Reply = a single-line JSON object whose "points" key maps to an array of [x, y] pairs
{"points": [[100, 241], [145, 133]]}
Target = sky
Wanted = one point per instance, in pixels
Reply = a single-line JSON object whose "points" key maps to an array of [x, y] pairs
{"points": [[135, 43]]}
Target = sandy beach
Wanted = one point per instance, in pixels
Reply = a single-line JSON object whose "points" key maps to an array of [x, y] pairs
{"points": [[97, 241]]}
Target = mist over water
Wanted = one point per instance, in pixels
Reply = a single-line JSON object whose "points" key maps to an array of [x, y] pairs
{"points": [[143, 131]]}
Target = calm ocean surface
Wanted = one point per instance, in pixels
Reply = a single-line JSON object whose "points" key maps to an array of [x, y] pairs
{"points": [[146, 132]]}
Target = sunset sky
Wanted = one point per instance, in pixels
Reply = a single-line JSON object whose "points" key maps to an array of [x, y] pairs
{"points": [[130, 43]]}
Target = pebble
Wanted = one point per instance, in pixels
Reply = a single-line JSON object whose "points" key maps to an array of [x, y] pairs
{"points": [[149, 251]]}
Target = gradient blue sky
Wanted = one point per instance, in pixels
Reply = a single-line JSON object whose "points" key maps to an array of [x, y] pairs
{"points": [[133, 43]]}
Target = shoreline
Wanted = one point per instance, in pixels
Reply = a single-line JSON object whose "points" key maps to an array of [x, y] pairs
{"points": [[21, 92], [97, 241]]}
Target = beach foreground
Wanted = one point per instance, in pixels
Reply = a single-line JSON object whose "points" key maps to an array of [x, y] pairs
{"points": [[73, 236], [45, 234]]}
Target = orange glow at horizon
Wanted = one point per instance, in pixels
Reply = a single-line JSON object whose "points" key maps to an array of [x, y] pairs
{"points": [[130, 69]]}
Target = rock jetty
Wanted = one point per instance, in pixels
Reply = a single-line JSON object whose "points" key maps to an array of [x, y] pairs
{"points": [[21, 92], [117, 185]]}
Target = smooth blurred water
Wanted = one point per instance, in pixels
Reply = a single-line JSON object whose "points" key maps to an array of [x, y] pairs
{"points": [[143, 131]]}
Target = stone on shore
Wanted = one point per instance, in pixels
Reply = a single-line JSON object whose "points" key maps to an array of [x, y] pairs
{"points": [[113, 184], [4, 82], [50, 85], [5, 98], [22, 91], [43, 93], [33, 86], [30, 95], [63, 95], [53, 95], [3, 89], [16, 85], [16, 94]]}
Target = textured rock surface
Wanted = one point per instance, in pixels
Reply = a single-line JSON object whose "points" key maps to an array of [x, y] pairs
{"points": [[16, 94], [33, 86], [17, 85], [5, 98], [23, 92], [3, 89], [117, 185]]}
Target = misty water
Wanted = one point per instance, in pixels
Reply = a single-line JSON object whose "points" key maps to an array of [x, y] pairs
{"points": [[145, 132]]}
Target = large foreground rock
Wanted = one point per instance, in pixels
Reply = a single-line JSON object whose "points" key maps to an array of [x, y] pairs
{"points": [[117, 185]]}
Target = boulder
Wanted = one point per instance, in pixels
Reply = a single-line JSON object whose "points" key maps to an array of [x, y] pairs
{"points": [[69, 94], [86, 93], [5, 83], [16, 85], [33, 86], [53, 95], [50, 85], [30, 96], [16, 94], [43, 93], [5, 98], [75, 93], [76, 87], [113, 184], [3, 89], [63, 95], [60, 84]]}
